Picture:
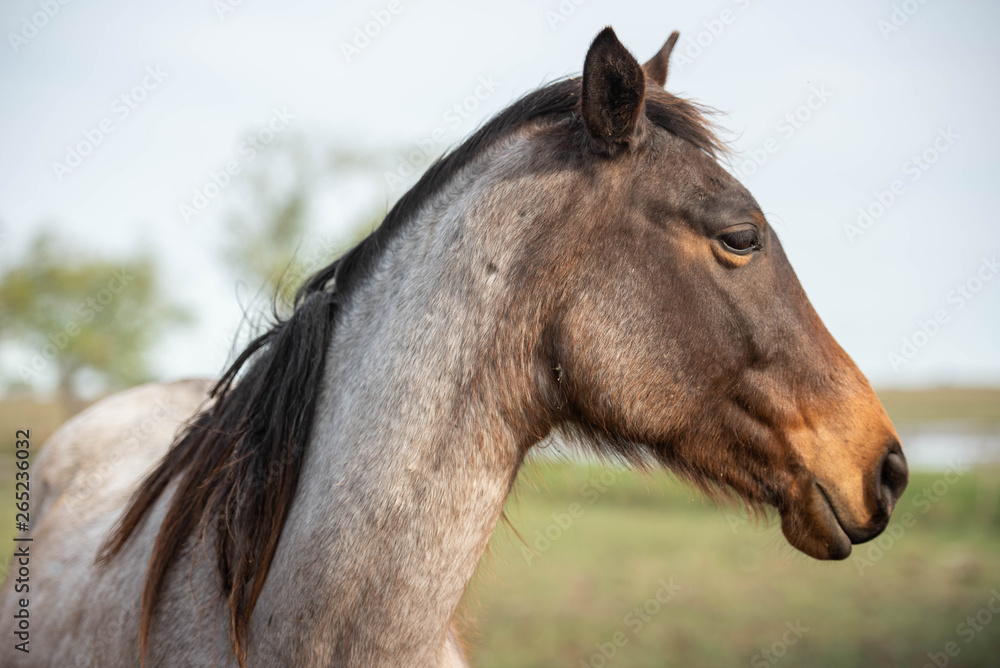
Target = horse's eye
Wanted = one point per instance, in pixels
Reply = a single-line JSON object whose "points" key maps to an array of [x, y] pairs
{"points": [[740, 241]]}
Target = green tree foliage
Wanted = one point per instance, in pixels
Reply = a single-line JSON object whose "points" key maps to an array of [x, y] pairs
{"points": [[75, 315]]}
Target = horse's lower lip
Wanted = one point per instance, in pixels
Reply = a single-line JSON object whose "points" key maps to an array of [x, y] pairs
{"points": [[840, 547], [811, 526]]}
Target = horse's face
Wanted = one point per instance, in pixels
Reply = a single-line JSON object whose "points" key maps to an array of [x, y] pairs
{"points": [[687, 330]]}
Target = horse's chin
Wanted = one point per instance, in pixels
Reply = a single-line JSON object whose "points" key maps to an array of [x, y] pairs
{"points": [[811, 526]]}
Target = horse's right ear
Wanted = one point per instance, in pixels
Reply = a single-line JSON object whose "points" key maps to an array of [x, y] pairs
{"points": [[614, 91]]}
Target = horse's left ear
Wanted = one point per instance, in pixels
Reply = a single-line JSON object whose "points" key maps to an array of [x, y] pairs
{"points": [[614, 90], [656, 67]]}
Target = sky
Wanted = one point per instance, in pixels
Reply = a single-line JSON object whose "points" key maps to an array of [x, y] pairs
{"points": [[865, 129]]}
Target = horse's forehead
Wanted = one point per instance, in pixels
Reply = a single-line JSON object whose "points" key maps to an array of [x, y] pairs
{"points": [[678, 176], [684, 165]]}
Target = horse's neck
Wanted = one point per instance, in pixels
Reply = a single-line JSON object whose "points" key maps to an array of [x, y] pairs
{"points": [[411, 458]]}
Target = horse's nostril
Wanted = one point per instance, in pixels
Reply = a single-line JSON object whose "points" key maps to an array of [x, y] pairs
{"points": [[893, 475]]}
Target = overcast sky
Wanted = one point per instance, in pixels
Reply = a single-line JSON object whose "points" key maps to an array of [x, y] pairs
{"points": [[883, 107]]}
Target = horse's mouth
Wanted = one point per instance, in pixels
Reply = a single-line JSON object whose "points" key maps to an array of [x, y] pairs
{"points": [[836, 524], [815, 529]]}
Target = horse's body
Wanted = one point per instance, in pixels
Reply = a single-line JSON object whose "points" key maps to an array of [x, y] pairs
{"points": [[547, 278]]}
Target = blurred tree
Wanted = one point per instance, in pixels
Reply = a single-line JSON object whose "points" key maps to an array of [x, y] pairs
{"points": [[93, 316], [270, 241]]}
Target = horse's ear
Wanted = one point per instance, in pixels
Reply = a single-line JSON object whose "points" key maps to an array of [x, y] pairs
{"points": [[656, 67], [614, 89]]}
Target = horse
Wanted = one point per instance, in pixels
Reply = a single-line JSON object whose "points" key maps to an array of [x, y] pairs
{"points": [[581, 266]]}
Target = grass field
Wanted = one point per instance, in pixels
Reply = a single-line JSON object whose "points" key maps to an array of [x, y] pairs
{"points": [[736, 586], [616, 568]]}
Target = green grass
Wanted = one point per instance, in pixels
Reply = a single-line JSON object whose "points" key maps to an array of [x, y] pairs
{"points": [[737, 582]]}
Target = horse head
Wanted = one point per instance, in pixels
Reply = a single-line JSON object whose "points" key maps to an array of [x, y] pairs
{"points": [[682, 327]]}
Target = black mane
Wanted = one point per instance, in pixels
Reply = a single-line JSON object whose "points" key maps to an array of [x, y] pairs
{"points": [[237, 465]]}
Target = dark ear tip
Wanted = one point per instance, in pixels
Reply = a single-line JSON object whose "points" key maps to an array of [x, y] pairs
{"points": [[607, 45], [606, 33], [606, 38]]}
